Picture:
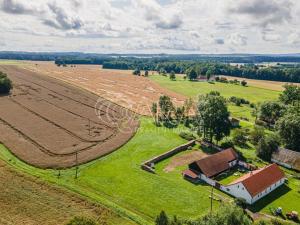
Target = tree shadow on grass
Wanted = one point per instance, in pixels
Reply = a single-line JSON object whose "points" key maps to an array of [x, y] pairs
{"points": [[262, 203], [209, 150]]}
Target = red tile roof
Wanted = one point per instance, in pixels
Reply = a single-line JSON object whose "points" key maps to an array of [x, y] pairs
{"points": [[259, 180], [190, 174], [217, 163]]}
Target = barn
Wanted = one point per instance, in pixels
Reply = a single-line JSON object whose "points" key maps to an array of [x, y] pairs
{"points": [[256, 184], [212, 165], [287, 158]]}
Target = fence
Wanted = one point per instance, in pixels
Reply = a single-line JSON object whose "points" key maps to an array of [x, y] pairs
{"points": [[149, 164]]}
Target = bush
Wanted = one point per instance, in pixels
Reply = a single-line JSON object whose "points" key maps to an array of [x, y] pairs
{"points": [[137, 72], [5, 84], [227, 144], [81, 221], [241, 202], [256, 134], [187, 136], [244, 83], [238, 101], [240, 137]]}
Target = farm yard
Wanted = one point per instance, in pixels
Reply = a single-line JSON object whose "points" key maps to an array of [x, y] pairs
{"points": [[115, 180], [53, 125]]}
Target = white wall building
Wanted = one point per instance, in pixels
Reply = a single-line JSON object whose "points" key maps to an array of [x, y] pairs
{"points": [[251, 187], [256, 184]]}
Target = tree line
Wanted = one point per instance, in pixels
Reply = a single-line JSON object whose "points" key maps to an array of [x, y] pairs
{"points": [[250, 71]]}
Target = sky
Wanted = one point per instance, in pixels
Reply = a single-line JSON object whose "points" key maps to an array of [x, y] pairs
{"points": [[151, 26]]}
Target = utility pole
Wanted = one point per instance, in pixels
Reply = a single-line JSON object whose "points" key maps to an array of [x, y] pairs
{"points": [[76, 172], [58, 175]]}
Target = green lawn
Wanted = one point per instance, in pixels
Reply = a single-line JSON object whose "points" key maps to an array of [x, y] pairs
{"points": [[230, 176], [11, 62], [193, 89], [118, 182]]}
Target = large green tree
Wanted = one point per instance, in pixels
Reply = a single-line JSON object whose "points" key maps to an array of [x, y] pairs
{"points": [[166, 107], [213, 117], [290, 95], [172, 76], [288, 128], [192, 74], [271, 111], [266, 146]]}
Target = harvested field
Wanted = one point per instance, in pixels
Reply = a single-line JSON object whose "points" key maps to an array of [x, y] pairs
{"points": [[184, 159], [121, 87], [47, 123], [25, 200]]}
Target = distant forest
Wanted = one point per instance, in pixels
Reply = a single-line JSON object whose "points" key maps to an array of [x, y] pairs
{"points": [[279, 72], [215, 64]]}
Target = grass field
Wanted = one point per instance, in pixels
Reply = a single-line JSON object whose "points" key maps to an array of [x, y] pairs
{"points": [[117, 180], [27, 200], [193, 89]]}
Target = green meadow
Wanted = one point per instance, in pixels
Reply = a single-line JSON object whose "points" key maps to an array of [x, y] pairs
{"points": [[194, 89]]}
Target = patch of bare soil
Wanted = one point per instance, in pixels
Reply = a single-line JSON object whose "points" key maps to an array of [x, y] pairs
{"points": [[121, 87], [184, 159], [51, 124], [24, 200]]}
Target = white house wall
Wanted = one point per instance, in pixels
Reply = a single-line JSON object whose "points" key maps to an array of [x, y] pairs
{"points": [[207, 180], [282, 164], [237, 190], [268, 190]]}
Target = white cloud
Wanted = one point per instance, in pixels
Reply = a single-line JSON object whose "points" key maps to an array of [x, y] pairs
{"points": [[198, 26], [237, 39], [294, 38]]}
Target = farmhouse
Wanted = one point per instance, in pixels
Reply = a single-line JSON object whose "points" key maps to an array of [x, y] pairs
{"points": [[251, 187], [256, 184], [212, 165], [287, 158]]}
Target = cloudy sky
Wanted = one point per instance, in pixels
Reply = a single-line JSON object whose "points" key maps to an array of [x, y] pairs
{"points": [[151, 26]]}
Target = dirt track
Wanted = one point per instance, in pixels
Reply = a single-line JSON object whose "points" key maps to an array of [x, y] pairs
{"points": [[45, 121], [133, 92]]}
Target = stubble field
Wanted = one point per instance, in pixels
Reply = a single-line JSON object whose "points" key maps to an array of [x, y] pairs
{"points": [[119, 86], [50, 124]]}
